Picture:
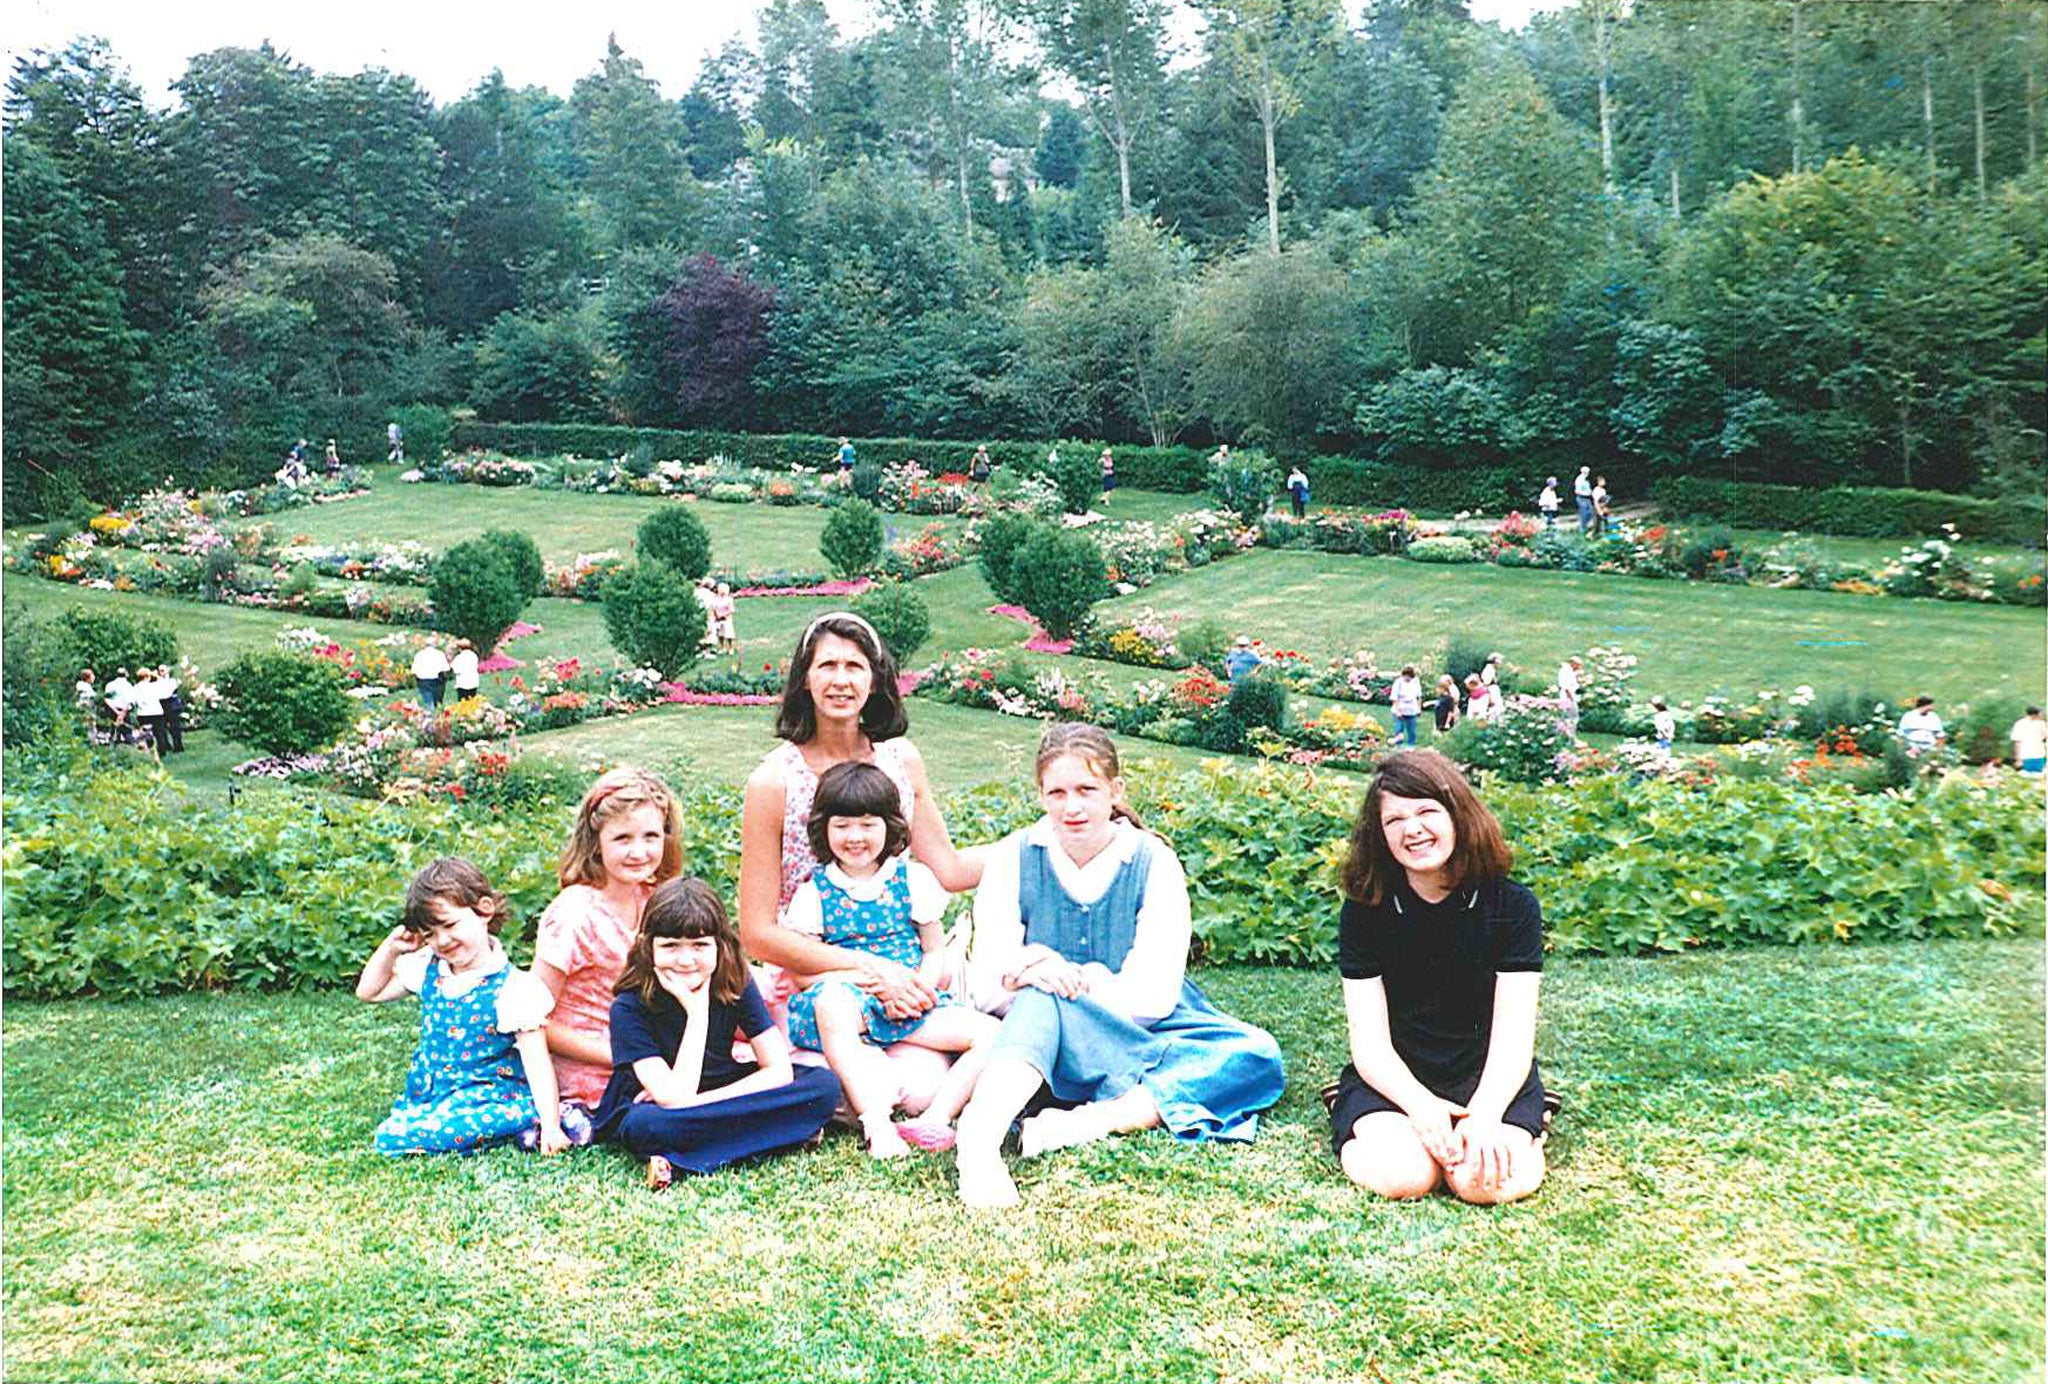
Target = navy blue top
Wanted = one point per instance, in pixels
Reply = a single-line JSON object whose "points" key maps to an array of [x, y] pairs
{"points": [[1438, 962], [640, 1029]]}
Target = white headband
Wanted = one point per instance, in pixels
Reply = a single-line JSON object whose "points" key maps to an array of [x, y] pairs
{"points": [[847, 615]]}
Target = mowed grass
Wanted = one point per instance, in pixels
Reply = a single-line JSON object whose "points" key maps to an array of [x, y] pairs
{"points": [[1813, 1164], [1692, 638]]}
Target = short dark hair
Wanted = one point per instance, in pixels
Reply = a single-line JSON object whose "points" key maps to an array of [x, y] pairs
{"points": [[858, 789], [684, 907], [882, 717], [1479, 854], [1923, 701], [455, 882]]}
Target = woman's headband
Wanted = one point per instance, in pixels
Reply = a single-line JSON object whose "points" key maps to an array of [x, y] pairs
{"points": [[846, 615]]}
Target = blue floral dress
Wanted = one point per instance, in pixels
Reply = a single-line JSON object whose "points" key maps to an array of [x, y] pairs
{"points": [[881, 926], [467, 1089]]}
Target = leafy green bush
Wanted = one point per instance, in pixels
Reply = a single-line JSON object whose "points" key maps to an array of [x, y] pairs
{"points": [[1001, 536], [1443, 548], [1979, 735], [283, 703], [429, 433], [1078, 474], [899, 615], [865, 481], [675, 535], [37, 667], [852, 539], [1058, 574], [103, 639], [1204, 640], [1244, 484], [476, 593], [1464, 656], [1522, 745], [522, 555], [1854, 511], [654, 618]]}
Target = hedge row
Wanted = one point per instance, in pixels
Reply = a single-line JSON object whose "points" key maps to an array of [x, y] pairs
{"points": [[1853, 511], [1179, 469], [118, 883]]}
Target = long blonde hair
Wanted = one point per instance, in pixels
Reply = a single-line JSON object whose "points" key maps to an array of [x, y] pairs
{"points": [[619, 791]]}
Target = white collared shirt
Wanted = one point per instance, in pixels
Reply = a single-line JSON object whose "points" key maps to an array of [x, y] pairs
{"points": [[1147, 987], [524, 1002]]}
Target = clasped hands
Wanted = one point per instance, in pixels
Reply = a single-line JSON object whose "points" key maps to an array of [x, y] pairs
{"points": [[1455, 1137]]}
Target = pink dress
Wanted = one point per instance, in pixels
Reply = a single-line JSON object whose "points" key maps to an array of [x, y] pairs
{"points": [[799, 791], [582, 936]]}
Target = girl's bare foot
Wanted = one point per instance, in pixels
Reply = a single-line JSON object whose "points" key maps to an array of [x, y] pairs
{"points": [[986, 1184], [883, 1140]]}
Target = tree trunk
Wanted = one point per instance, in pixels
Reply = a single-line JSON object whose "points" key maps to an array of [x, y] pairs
{"points": [[1798, 93], [1927, 117], [1601, 48], [1268, 118], [1674, 192], [1121, 141], [1977, 99], [2032, 100], [958, 131]]}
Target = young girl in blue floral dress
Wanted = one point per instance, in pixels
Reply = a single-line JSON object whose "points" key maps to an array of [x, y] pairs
{"points": [[870, 897], [482, 1075], [1081, 934]]}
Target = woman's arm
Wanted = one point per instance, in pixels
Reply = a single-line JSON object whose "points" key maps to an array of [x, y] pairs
{"points": [[959, 870], [1372, 1053]]}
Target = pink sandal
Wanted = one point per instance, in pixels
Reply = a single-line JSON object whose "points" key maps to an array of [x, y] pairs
{"points": [[932, 1138]]}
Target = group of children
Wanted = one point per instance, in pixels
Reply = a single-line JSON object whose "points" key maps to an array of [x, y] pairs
{"points": [[1071, 1019]]}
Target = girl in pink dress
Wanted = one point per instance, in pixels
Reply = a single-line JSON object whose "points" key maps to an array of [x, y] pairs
{"points": [[840, 704], [627, 839]]}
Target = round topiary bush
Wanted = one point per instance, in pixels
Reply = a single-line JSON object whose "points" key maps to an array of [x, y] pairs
{"points": [[654, 618], [476, 593], [1001, 536], [522, 556], [676, 536], [104, 640], [852, 539], [866, 481], [899, 615], [1058, 574], [282, 703]]}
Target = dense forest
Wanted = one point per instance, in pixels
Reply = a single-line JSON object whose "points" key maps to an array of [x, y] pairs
{"points": [[1786, 240]]}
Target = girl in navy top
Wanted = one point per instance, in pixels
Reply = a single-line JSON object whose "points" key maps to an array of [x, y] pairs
{"points": [[1441, 956], [677, 1096]]}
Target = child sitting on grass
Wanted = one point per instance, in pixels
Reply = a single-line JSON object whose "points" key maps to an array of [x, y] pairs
{"points": [[481, 1075], [870, 897]]}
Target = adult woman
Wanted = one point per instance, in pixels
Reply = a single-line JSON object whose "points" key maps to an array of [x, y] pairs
{"points": [[1081, 931], [1441, 955], [839, 704]]}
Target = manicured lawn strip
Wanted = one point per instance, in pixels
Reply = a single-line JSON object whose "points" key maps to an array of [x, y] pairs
{"points": [[1691, 637], [1772, 1164]]}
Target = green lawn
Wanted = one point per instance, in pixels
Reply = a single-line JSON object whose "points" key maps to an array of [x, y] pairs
{"points": [[1812, 1164], [1691, 637]]}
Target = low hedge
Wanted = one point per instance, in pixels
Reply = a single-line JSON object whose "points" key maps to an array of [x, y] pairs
{"points": [[120, 883], [1853, 511]]}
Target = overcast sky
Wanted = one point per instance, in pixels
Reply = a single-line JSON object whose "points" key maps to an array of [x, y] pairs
{"points": [[447, 47]]}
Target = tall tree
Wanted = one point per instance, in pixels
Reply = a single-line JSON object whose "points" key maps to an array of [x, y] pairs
{"points": [[1264, 44], [631, 142], [953, 90], [1112, 51]]}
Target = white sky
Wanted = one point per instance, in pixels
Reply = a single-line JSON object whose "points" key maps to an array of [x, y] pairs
{"points": [[449, 46]]}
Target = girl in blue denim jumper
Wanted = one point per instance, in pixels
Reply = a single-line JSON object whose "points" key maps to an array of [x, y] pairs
{"points": [[1081, 933]]}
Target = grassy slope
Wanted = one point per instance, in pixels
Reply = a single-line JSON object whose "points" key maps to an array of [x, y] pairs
{"points": [[1773, 1165], [1691, 638]]}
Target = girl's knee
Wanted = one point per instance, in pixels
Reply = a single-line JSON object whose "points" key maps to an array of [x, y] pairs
{"points": [[1388, 1160], [1526, 1177]]}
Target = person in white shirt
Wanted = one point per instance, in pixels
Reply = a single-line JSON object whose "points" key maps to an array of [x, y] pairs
{"points": [[2030, 742], [1666, 724], [1568, 696], [87, 692], [1489, 672], [1406, 696], [1921, 728], [1081, 934], [147, 698], [118, 702], [430, 674], [706, 599], [1546, 503], [1582, 495], [468, 681], [171, 729]]}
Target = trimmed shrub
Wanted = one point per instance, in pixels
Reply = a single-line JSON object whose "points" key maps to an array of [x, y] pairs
{"points": [[1853, 511], [283, 703], [899, 615], [1244, 484], [522, 555], [675, 535], [865, 481], [106, 639], [1980, 733], [1001, 536], [476, 594], [1259, 701], [852, 539], [1058, 574], [654, 618], [37, 667], [1443, 548], [1464, 656], [1204, 640], [429, 433], [1079, 477]]}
